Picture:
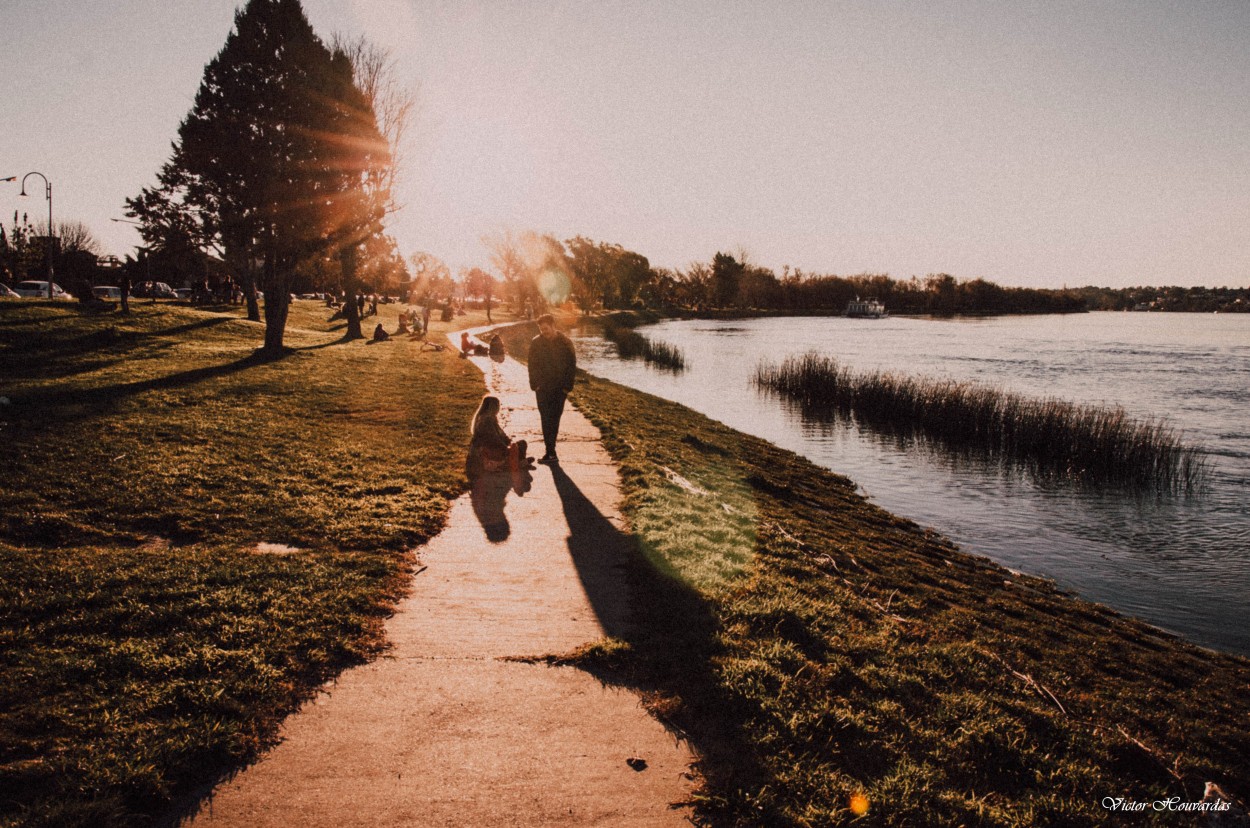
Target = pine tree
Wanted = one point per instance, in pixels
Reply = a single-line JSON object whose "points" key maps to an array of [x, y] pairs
{"points": [[272, 160]]}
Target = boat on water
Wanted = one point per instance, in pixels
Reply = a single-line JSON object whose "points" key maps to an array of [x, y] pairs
{"points": [[865, 309]]}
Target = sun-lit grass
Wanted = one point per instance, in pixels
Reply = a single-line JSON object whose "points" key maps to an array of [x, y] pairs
{"points": [[1055, 437], [148, 640], [850, 662]]}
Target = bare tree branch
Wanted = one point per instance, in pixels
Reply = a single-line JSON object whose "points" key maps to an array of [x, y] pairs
{"points": [[375, 74]]}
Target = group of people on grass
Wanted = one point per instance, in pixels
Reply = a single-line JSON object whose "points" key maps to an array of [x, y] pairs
{"points": [[415, 325], [495, 350], [552, 367]]}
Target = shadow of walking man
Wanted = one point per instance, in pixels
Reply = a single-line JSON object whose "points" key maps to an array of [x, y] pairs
{"points": [[601, 554], [672, 637]]}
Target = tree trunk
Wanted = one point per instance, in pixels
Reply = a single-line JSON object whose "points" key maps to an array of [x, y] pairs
{"points": [[249, 292], [351, 306], [239, 264], [277, 303]]}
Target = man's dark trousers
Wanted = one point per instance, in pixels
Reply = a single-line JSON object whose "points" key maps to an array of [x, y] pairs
{"points": [[550, 409]]}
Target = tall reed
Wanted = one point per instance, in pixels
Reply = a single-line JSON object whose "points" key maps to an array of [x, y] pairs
{"points": [[1081, 441], [630, 345]]}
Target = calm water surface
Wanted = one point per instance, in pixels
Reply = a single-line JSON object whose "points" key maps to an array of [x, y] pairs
{"points": [[1180, 561]]}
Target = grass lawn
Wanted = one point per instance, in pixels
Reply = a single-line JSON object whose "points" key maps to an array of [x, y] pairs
{"points": [[192, 539], [835, 664]]}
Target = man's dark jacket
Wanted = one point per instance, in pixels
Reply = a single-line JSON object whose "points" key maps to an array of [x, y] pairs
{"points": [[553, 363]]}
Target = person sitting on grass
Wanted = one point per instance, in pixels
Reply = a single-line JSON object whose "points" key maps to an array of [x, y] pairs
{"points": [[380, 334], [490, 448], [403, 323]]}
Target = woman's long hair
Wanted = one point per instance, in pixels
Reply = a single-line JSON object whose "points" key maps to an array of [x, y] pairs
{"points": [[488, 409]]}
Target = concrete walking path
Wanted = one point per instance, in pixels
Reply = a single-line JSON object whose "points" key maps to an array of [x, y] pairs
{"points": [[443, 731]]}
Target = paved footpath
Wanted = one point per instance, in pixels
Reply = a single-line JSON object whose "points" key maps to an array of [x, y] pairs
{"points": [[444, 731]]}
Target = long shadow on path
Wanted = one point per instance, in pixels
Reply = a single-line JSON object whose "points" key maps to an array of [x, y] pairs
{"points": [[671, 633]]}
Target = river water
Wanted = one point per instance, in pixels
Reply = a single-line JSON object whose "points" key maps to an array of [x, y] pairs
{"points": [[1180, 561]]}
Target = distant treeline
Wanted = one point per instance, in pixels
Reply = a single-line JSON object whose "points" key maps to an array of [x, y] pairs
{"points": [[726, 283], [1182, 299], [939, 294], [540, 270]]}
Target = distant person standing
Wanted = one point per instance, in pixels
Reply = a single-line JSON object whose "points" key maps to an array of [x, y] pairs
{"points": [[553, 364]]}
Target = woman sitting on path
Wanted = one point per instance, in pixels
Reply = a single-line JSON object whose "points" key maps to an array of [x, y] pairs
{"points": [[491, 449]]}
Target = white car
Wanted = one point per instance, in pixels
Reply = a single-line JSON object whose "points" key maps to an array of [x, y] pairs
{"points": [[107, 292], [36, 290], [6, 292]]}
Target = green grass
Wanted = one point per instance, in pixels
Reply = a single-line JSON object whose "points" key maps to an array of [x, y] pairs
{"points": [[1052, 437], [147, 644], [816, 648]]}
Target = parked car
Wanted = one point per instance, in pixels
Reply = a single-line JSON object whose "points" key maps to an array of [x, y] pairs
{"points": [[107, 292], [35, 289], [154, 290], [6, 292]]}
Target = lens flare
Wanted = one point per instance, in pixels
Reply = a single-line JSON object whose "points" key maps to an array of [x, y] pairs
{"points": [[553, 284]]}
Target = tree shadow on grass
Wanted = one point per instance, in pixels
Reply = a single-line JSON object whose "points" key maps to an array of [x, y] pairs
{"points": [[69, 403], [54, 352], [342, 340], [49, 341], [672, 646]]}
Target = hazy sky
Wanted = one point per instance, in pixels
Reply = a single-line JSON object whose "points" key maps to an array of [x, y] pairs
{"points": [[1027, 143]]}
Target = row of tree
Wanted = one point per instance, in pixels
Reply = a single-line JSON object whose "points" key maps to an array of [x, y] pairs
{"points": [[537, 270], [282, 170], [24, 253], [1184, 299]]}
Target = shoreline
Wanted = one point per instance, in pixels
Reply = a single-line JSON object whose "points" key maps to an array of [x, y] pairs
{"points": [[1095, 544], [801, 576]]}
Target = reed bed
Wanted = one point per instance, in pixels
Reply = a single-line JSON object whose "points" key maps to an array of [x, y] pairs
{"points": [[1054, 436], [631, 345]]}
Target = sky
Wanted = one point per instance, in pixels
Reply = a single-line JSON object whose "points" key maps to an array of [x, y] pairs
{"points": [[1029, 143]]}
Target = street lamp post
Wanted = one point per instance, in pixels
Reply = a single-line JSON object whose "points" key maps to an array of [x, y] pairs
{"points": [[48, 192], [10, 178]]}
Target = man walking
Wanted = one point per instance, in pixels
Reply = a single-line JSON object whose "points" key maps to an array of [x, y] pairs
{"points": [[553, 363]]}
